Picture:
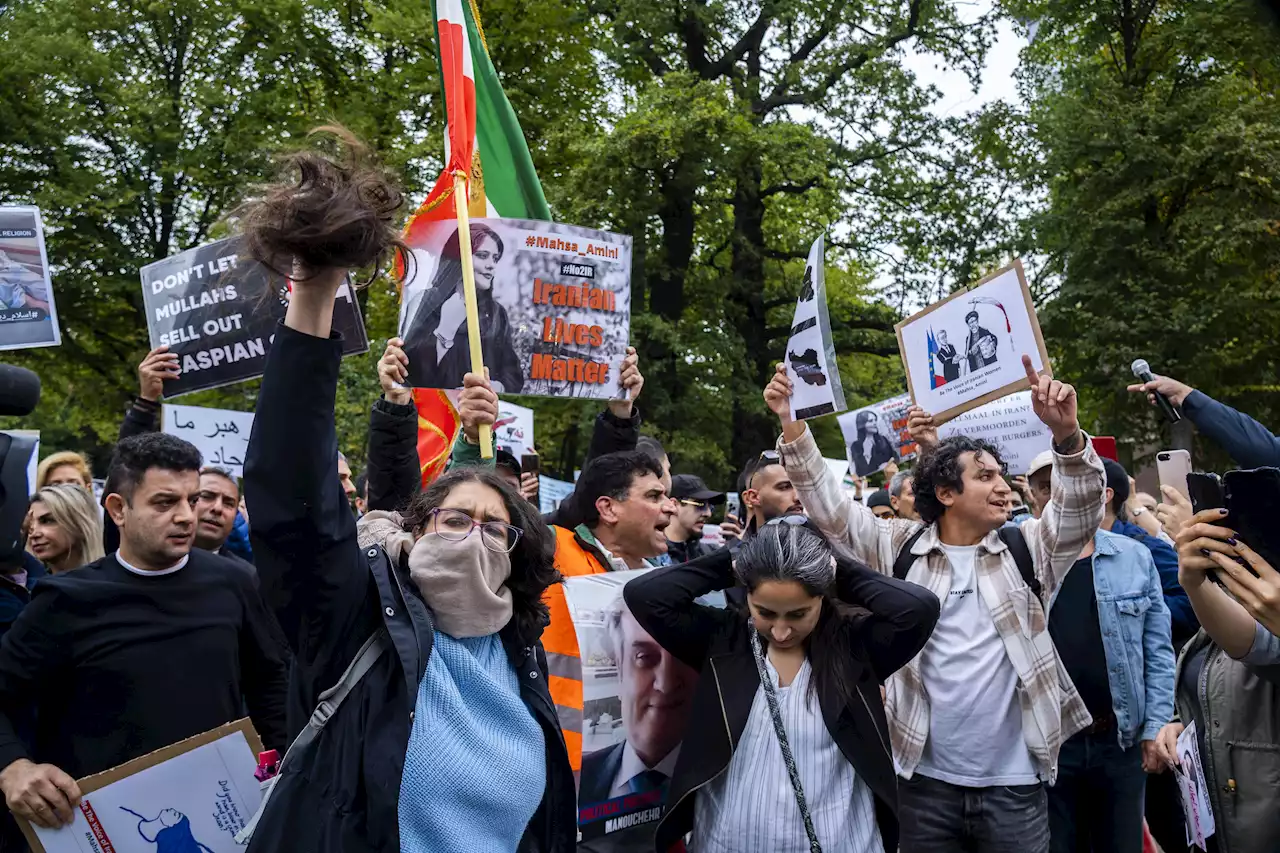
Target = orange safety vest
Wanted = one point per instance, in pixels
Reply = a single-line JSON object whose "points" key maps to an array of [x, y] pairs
{"points": [[560, 641]]}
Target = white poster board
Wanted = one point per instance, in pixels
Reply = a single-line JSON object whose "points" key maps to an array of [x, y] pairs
{"points": [[1009, 424], [513, 431], [551, 492], [967, 349], [810, 355], [221, 435], [1196, 809], [876, 435], [191, 797], [28, 315]]}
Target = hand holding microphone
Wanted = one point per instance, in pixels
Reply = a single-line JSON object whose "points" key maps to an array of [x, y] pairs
{"points": [[1163, 392]]}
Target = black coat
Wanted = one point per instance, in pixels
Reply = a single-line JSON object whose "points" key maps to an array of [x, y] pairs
{"points": [[427, 370], [897, 623], [330, 595]]}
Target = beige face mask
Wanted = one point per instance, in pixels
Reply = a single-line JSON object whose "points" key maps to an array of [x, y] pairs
{"points": [[464, 583]]}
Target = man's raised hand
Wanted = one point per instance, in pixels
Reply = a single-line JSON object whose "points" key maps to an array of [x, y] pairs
{"points": [[777, 394], [1055, 404], [631, 379]]}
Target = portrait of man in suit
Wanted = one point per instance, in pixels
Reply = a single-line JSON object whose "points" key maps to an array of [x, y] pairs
{"points": [[948, 357], [656, 691]]}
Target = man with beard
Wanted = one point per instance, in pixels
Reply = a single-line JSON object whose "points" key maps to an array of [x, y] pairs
{"points": [[216, 507], [979, 345], [693, 507], [767, 492]]}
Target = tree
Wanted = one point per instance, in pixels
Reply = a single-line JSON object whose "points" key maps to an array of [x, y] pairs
{"points": [[1160, 135]]}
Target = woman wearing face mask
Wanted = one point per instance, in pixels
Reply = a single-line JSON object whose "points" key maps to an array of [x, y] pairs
{"points": [[63, 528], [787, 747], [445, 739], [436, 340]]}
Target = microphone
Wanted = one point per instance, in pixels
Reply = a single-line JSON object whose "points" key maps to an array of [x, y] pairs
{"points": [[19, 391], [1142, 370]]}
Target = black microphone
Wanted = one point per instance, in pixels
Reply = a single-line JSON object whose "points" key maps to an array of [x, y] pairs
{"points": [[19, 391], [1142, 370]]}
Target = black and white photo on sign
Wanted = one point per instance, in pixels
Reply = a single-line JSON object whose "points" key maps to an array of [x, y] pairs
{"points": [[873, 435], [28, 315], [967, 349], [218, 311], [810, 355], [554, 305]]}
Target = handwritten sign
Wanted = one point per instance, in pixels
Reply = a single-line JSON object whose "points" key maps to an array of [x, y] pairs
{"points": [[221, 435]]}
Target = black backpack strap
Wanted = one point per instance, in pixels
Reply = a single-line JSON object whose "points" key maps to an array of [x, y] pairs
{"points": [[1017, 545], [902, 563]]}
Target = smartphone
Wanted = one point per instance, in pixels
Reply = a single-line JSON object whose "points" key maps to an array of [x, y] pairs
{"points": [[1173, 466], [733, 507], [1251, 499], [529, 463], [1205, 491]]}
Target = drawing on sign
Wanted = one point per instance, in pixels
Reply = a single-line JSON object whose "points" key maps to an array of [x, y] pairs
{"points": [[807, 367], [170, 831], [810, 353]]}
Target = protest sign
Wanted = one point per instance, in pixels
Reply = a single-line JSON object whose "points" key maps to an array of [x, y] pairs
{"points": [[1008, 423], [967, 349], [218, 311], [1197, 809], [617, 791], [554, 303], [876, 435], [551, 492], [28, 316], [513, 430], [191, 797], [811, 356], [221, 435]]}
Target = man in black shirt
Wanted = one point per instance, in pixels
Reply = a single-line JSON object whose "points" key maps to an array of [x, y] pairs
{"points": [[146, 647]]}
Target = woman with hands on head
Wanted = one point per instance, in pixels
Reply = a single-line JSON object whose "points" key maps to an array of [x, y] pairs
{"points": [[449, 741], [1228, 683]]}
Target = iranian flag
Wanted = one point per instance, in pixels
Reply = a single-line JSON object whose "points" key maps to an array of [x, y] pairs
{"points": [[483, 140]]}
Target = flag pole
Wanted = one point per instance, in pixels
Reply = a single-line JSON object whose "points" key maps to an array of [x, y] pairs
{"points": [[469, 296]]}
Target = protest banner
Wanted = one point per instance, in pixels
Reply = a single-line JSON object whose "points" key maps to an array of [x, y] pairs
{"points": [[1010, 424], [876, 435], [191, 797], [551, 492], [554, 303], [513, 430], [221, 435], [810, 355], [955, 362], [617, 656], [28, 316], [218, 311]]}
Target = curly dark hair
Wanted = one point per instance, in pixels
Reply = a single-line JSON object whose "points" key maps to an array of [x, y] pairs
{"points": [[940, 467], [136, 455], [533, 559], [325, 211]]}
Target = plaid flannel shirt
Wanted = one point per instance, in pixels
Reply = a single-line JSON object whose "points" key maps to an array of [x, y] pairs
{"points": [[1052, 710]]}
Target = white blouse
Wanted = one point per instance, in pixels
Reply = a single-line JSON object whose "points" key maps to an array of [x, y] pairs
{"points": [[751, 808]]}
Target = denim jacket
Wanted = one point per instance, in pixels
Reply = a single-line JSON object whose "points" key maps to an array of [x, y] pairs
{"points": [[1135, 636]]}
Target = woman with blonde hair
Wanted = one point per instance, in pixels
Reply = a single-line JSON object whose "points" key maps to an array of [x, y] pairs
{"points": [[66, 466], [63, 528]]}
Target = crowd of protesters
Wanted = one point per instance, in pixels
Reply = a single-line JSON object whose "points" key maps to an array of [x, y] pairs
{"points": [[962, 661]]}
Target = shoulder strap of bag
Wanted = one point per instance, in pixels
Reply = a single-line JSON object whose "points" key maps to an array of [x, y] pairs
{"points": [[330, 701], [771, 695], [1017, 545], [902, 563]]}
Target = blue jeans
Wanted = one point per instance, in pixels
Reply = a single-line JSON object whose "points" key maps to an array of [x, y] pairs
{"points": [[1097, 803], [938, 817]]}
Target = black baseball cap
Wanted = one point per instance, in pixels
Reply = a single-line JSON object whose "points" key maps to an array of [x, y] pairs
{"points": [[691, 487], [503, 458], [879, 497]]}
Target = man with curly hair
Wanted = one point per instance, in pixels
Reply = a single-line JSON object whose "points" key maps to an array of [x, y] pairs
{"points": [[978, 718]]}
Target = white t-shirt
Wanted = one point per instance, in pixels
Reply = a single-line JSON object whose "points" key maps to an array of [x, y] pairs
{"points": [[975, 719]]}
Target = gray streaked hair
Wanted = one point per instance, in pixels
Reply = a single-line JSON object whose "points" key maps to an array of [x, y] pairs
{"points": [[787, 552], [899, 480]]}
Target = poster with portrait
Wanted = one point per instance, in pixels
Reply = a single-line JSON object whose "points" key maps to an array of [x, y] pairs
{"points": [[1194, 791], [192, 797], [554, 302], [1010, 424], [967, 349], [28, 316], [811, 355], [876, 435], [636, 699], [218, 311]]}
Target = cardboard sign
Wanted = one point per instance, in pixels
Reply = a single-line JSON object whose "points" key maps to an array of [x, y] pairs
{"points": [[554, 303], [876, 435], [1009, 424], [810, 355], [967, 349], [221, 435], [193, 797], [218, 311], [28, 316]]}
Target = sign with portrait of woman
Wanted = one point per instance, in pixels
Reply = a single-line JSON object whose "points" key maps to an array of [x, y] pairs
{"points": [[554, 303]]}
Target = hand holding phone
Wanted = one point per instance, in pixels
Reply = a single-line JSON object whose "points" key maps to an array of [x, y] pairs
{"points": [[1173, 466]]}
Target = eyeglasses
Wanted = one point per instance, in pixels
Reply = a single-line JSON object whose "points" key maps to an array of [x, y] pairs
{"points": [[696, 504], [766, 457], [454, 525]]}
